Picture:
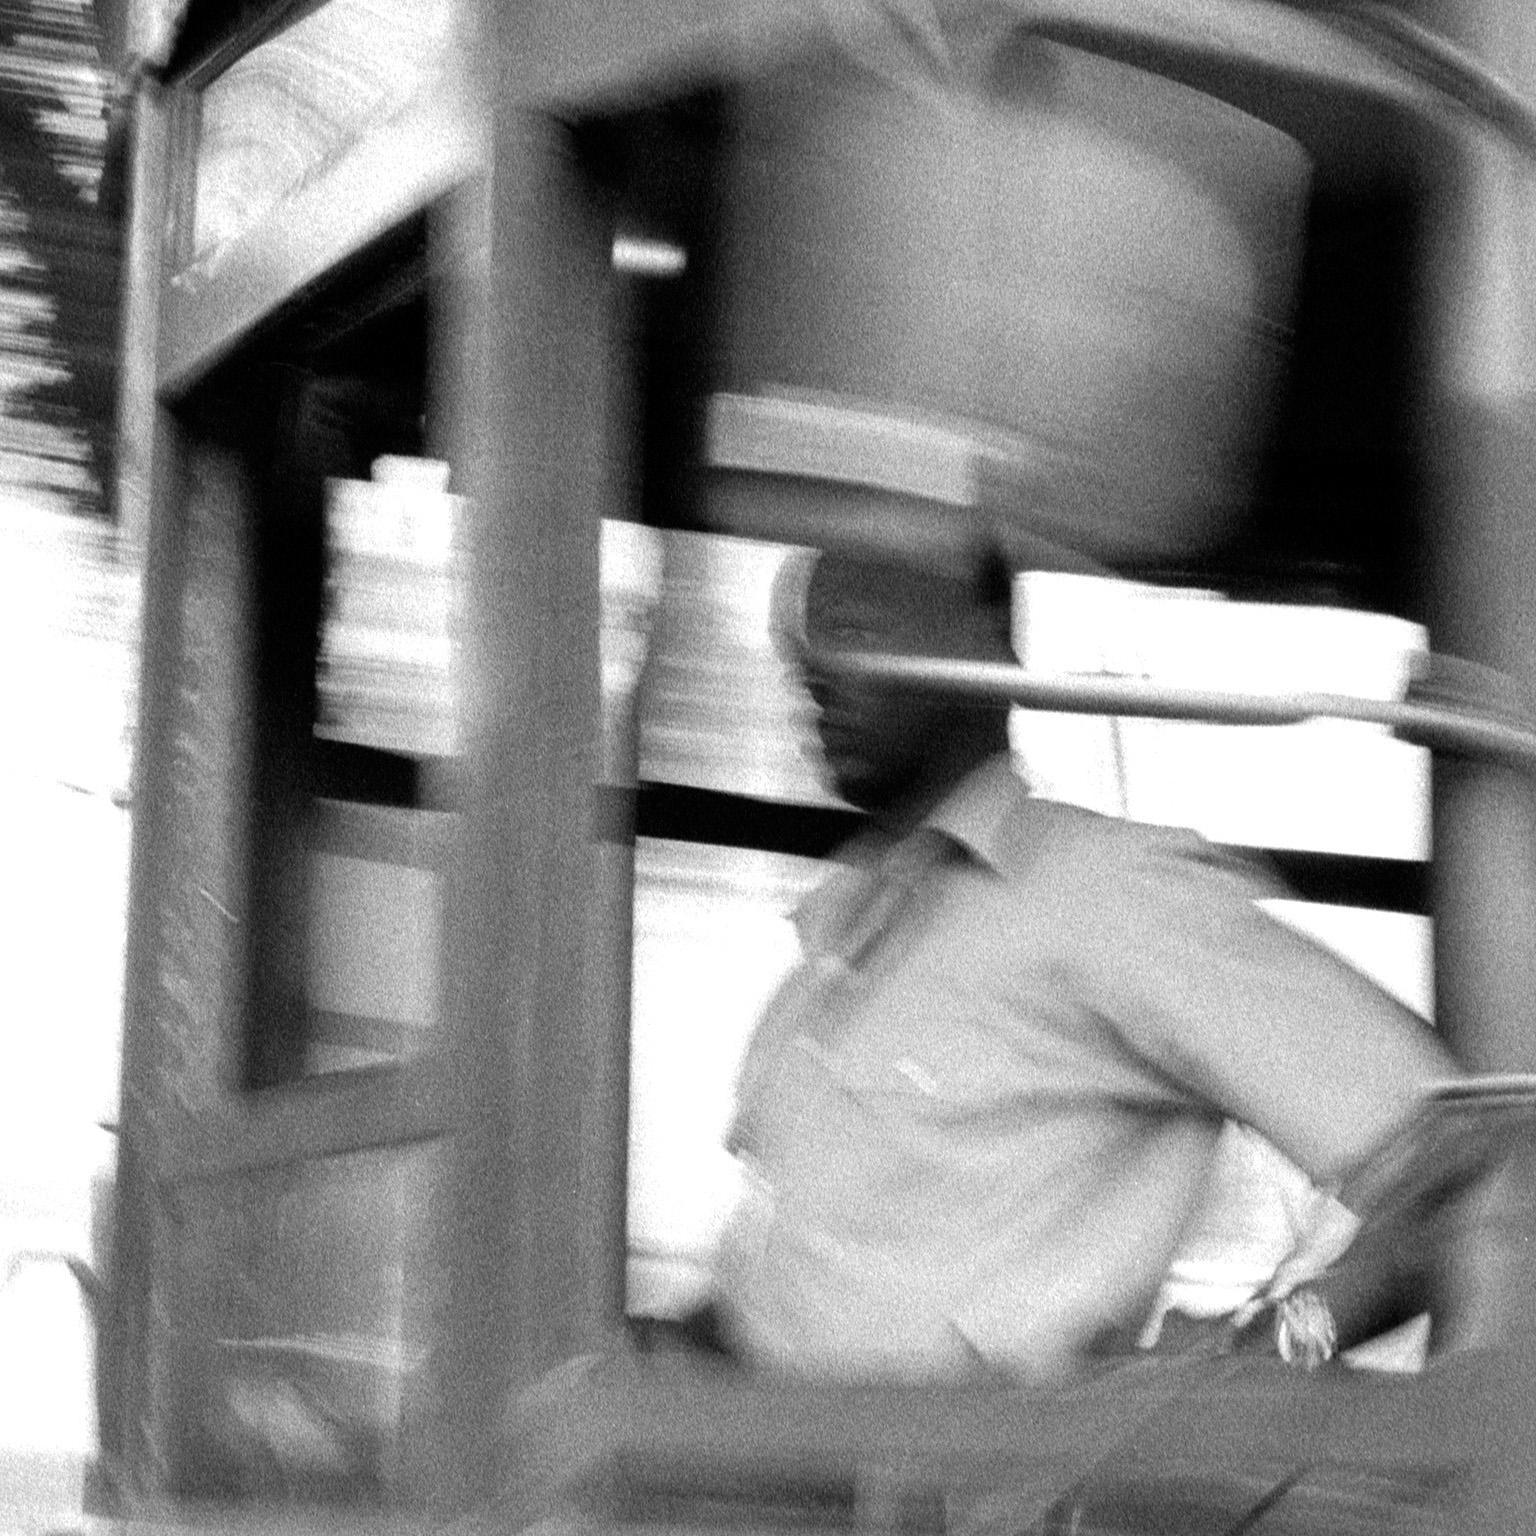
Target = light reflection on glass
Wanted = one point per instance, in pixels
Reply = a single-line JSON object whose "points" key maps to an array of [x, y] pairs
{"points": [[295, 103]]}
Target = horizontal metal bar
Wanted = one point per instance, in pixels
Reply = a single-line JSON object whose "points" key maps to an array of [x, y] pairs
{"points": [[1223, 1416], [330, 1115], [1462, 730], [383, 834], [723, 819]]}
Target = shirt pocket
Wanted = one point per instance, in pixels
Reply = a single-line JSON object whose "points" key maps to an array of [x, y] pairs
{"points": [[933, 1061]]}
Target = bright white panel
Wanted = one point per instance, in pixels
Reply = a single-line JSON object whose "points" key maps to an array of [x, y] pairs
{"points": [[712, 940], [1331, 786]]}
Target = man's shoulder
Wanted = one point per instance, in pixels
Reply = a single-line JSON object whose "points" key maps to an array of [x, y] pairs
{"points": [[1005, 825], [1028, 838], [1084, 846]]}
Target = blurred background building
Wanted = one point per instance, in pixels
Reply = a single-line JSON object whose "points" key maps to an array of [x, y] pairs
{"points": [[67, 620]]}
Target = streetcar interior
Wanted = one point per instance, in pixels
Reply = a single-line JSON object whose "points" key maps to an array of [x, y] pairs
{"points": [[462, 640]]}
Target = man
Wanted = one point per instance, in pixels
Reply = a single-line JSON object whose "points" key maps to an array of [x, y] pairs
{"points": [[979, 1115]]}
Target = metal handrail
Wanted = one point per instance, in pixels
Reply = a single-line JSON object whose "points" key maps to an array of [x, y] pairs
{"points": [[1462, 729], [1443, 65], [1381, 29]]}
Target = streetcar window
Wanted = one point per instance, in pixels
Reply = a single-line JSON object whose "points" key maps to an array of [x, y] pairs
{"points": [[351, 527], [352, 704], [1342, 808], [1163, 351]]}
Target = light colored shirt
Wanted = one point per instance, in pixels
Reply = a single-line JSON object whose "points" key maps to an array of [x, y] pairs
{"points": [[979, 1115]]}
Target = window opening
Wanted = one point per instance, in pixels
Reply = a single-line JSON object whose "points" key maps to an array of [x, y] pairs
{"points": [[814, 202], [352, 532]]}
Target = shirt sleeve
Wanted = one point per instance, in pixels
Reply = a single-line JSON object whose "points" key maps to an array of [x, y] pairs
{"points": [[1259, 1021]]}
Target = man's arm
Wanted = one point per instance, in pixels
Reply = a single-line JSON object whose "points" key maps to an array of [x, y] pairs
{"points": [[1274, 1030]]}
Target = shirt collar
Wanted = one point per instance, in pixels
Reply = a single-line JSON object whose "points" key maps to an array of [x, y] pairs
{"points": [[974, 816], [978, 811]]}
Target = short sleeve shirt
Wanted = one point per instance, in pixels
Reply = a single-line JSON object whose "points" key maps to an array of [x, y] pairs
{"points": [[978, 1116]]}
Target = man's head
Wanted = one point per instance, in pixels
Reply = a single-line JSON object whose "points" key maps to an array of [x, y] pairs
{"points": [[893, 750]]}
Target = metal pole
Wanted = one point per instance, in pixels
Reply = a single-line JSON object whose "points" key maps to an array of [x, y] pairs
{"points": [[1480, 405], [1463, 729]]}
